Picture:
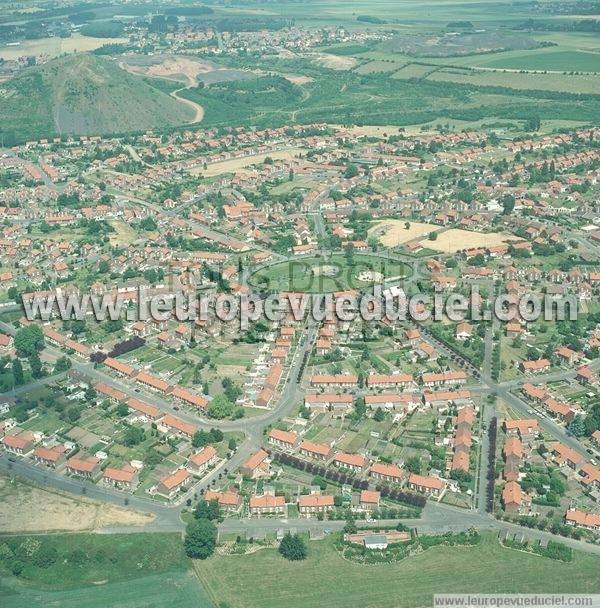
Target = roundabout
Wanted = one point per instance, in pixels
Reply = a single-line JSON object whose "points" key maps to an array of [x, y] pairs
{"points": [[330, 273]]}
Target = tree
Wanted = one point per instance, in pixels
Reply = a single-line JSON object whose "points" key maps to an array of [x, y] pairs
{"points": [[351, 171], [133, 436], [292, 547], [35, 364], [17, 370], [29, 340], [413, 464], [207, 510], [379, 415], [508, 204], [200, 538], [532, 124], [232, 445], [220, 407], [200, 439], [350, 527], [577, 426], [62, 365], [360, 409], [432, 236], [122, 410]]}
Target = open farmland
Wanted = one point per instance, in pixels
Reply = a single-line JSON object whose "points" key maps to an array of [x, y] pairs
{"points": [[327, 579], [413, 70], [455, 239], [373, 67], [55, 46], [570, 83]]}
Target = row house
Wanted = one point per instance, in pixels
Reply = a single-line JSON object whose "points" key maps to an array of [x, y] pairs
{"points": [[170, 485], [387, 472], [352, 462], [283, 439], [201, 461], [126, 477], [432, 486]]}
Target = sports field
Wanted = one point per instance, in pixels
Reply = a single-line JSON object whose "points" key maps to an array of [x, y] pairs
{"points": [[325, 579]]}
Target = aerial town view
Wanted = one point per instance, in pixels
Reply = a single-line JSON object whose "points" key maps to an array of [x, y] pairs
{"points": [[299, 303]]}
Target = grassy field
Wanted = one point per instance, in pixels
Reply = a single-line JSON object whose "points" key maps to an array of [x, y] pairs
{"points": [[167, 590], [64, 561], [325, 579], [516, 80]]}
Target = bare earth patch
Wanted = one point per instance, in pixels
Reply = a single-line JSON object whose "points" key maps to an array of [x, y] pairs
{"points": [[335, 62], [297, 79], [241, 164], [455, 239], [392, 233], [26, 508]]}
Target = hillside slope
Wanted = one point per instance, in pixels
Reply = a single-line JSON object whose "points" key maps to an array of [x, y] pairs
{"points": [[84, 95]]}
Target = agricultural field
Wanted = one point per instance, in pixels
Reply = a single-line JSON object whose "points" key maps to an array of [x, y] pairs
{"points": [[413, 70], [326, 578], [55, 46], [570, 83]]}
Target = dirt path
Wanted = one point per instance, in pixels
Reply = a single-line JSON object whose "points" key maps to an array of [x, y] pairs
{"points": [[198, 109]]}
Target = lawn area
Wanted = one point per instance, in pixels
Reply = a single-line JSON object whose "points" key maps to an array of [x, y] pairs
{"points": [[325, 579], [160, 591]]}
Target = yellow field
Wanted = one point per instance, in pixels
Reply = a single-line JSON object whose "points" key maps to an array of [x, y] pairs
{"points": [[52, 47], [455, 239], [236, 165], [26, 508], [335, 62], [393, 232]]}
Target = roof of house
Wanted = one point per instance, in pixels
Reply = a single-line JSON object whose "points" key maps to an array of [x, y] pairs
{"points": [[370, 496], [315, 500], [175, 479], [256, 459], [283, 436], [203, 456], [390, 470], [266, 501], [435, 483], [582, 518], [317, 448], [354, 460], [126, 474], [512, 493]]}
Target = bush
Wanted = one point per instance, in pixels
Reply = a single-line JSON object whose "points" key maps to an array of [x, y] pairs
{"points": [[292, 547]]}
